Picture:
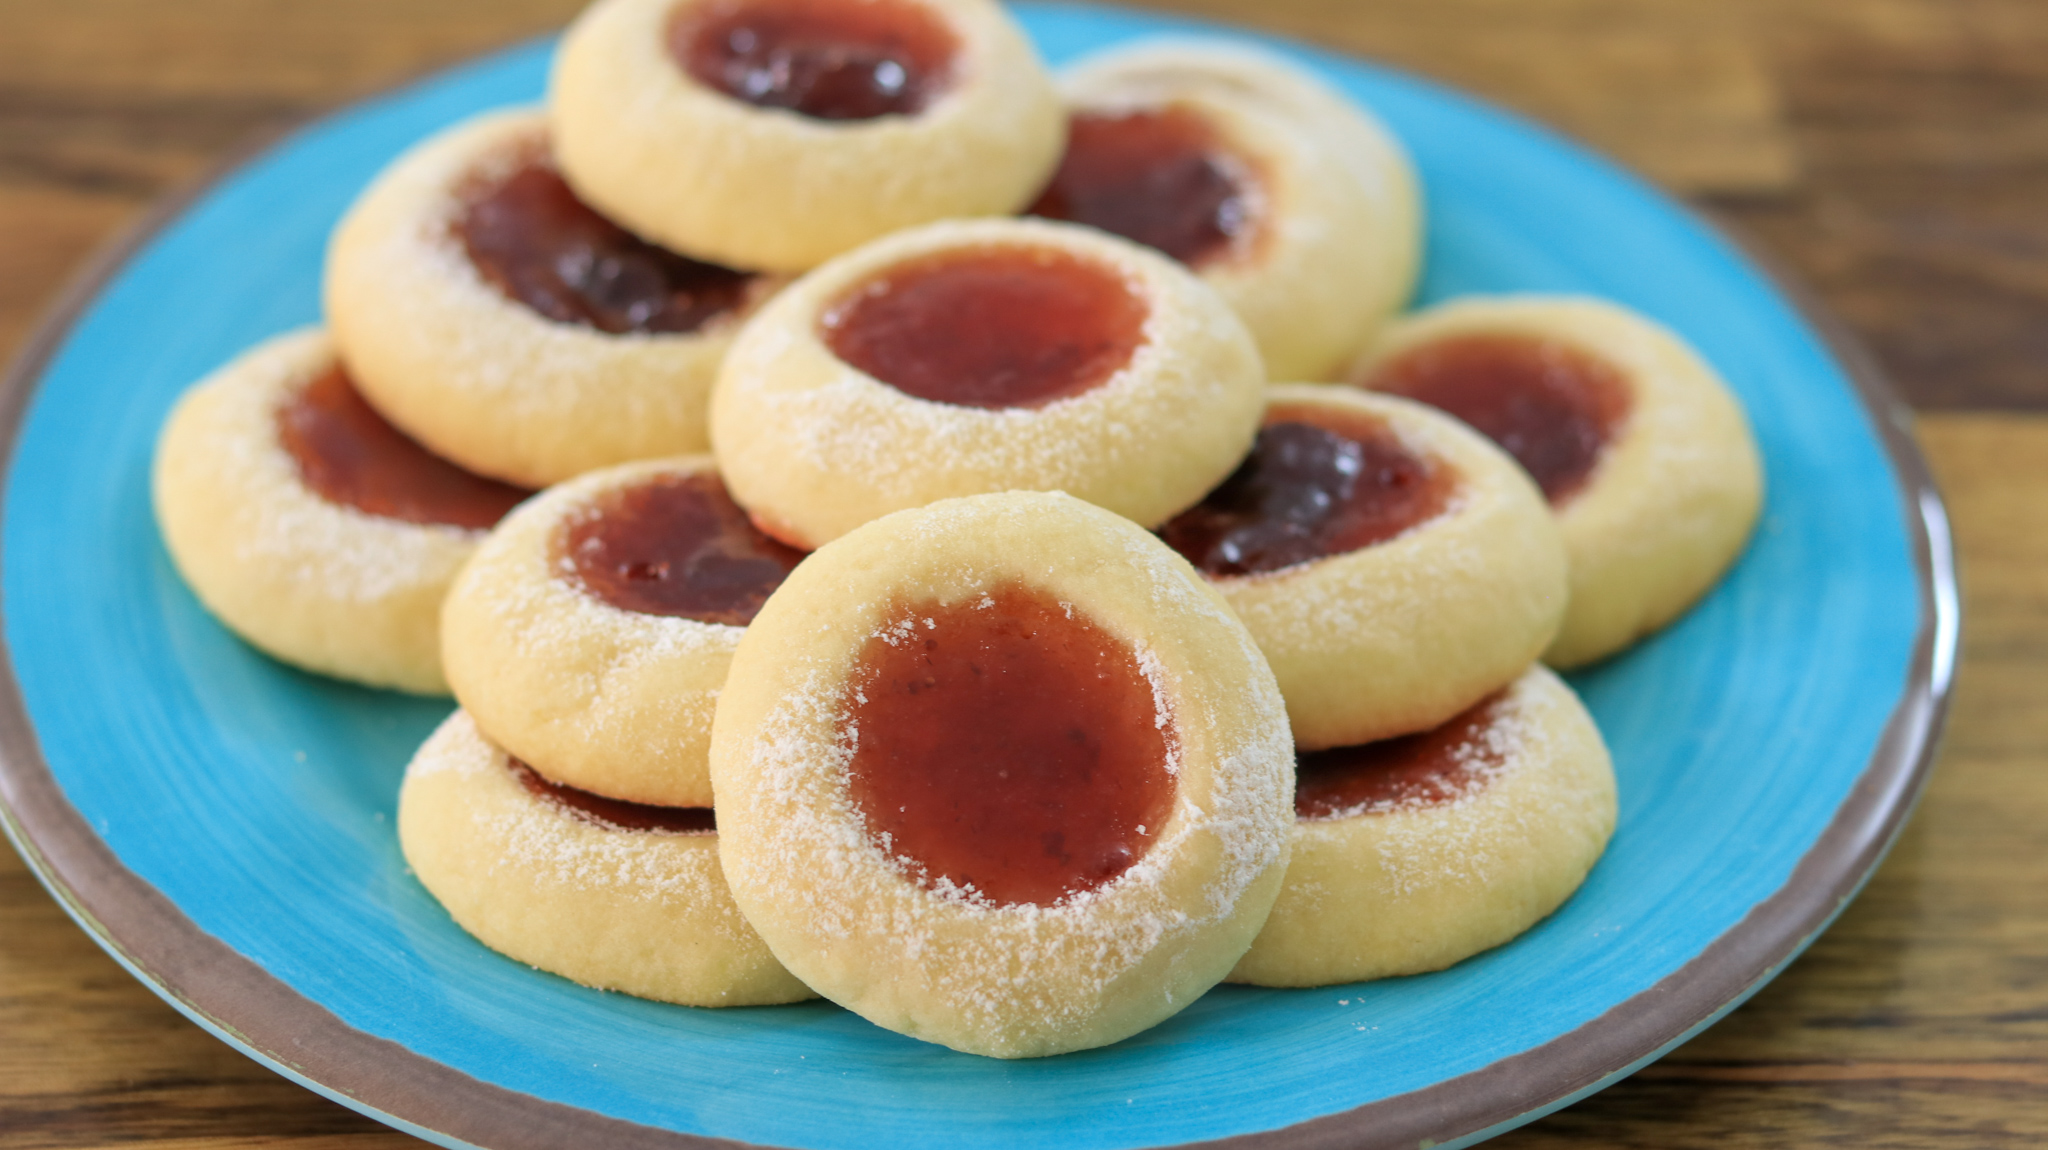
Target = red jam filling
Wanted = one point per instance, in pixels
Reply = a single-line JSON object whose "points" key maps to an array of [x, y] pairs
{"points": [[616, 814], [1318, 482], [349, 455], [1008, 746], [990, 327], [677, 545], [1159, 177], [825, 59], [1552, 406], [533, 240], [1430, 769]]}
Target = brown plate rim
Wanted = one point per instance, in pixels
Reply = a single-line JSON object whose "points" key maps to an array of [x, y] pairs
{"points": [[244, 1005]]}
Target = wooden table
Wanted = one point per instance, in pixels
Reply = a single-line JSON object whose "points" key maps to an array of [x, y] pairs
{"points": [[1893, 153]]}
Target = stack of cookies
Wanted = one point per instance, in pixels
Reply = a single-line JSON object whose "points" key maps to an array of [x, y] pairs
{"points": [[976, 545]]}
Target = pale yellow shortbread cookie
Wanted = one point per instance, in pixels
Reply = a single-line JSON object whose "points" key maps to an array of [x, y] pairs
{"points": [[318, 584], [640, 911], [1400, 635], [710, 175], [941, 961], [478, 376], [1404, 884], [1333, 241], [599, 697], [815, 447], [1674, 494]]}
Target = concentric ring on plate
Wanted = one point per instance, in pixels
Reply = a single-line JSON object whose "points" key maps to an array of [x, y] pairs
{"points": [[123, 911]]}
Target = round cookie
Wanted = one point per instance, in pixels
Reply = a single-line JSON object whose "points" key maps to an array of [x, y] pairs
{"points": [[499, 320], [308, 525], [612, 895], [1017, 354], [590, 635], [1420, 852], [1643, 452], [1394, 566], [1002, 773], [777, 134], [1287, 198]]}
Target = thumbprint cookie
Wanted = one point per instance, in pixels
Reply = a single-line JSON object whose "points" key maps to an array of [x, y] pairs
{"points": [[590, 634], [619, 896], [1394, 566], [310, 526], [979, 356], [1002, 773], [1643, 452], [492, 314], [1418, 852], [1290, 200], [776, 134]]}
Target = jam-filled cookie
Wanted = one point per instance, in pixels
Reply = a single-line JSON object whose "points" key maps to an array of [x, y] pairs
{"points": [[309, 525], [778, 133], [619, 896], [1002, 773], [1642, 451], [979, 356], [589, 636], [1290, 200], [1394, 566], [1413, 854], [495, 317]]}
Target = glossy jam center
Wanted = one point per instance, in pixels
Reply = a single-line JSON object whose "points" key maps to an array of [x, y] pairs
{"points": [[349, 455], [1550, 405], [677, 545], [533, 240], [990, 327], [1317, 482], [1160, 177], [1435, 767], [1006, 746], [825, 59], [616, 814]]}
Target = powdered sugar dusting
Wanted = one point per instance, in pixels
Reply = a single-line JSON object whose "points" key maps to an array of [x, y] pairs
{"points": [[339, 552], [519, 358], [486, 379], [1422, 847], [1481, 758], [1011, 970], [542, 839], [558, 657], [1162, 703], [790, 417]]}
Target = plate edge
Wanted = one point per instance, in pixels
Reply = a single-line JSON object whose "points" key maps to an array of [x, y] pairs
{"points": [[91, 884], [182, 963], [1765, 941]]}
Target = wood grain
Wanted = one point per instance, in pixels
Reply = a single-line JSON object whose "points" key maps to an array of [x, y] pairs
{"points": [[1921, 1017], [1893, 152]]}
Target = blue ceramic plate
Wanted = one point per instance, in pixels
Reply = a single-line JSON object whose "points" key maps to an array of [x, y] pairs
{"points": [[223, 824]]}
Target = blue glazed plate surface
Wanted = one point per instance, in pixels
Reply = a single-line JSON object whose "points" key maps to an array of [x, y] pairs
{"points": [[260, 801]]}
